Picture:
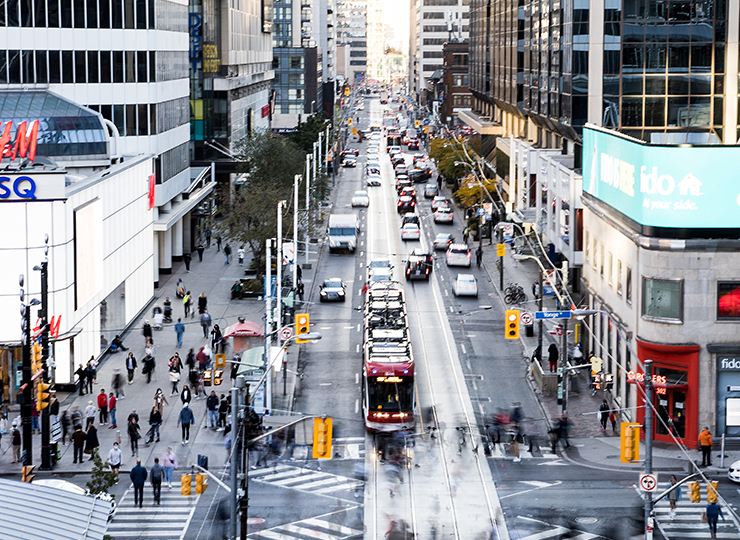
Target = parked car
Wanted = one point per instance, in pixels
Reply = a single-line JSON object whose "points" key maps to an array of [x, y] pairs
{"points": [[332, 290], [444, 215], [410, 231], [459, 255], [442, 241], [360, 198], [430, 191], [465, 285]]}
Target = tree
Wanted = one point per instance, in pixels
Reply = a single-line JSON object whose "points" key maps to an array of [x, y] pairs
{"points": [[471, 192], [102, 477], [307, 133], [450, 157]]}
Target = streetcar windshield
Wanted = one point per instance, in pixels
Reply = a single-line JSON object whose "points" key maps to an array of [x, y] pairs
{"points": [[390, 394]]}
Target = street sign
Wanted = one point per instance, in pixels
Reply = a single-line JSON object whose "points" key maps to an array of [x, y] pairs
{"points": [[553, 315], [648, 482], [286, 333], [526, 318], [500, 250], [481, 211], [557, 331]]}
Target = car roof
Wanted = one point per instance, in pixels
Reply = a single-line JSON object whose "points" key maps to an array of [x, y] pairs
{"points": [[410, 225], [460, 246], [443, 235], [333, 279], [466, 277], [444, 209]]}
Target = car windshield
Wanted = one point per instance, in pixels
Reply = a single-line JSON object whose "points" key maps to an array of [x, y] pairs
{"points": [[459, 250], [466, 279], [332, 284], [442, 237], [380, 264], [342, 231]]}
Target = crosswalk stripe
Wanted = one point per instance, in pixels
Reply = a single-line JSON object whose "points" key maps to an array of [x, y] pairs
{"points": [[543, 535], [321, 483], [331, 526], [295, 480], [338, 487], [535, 483], [308, 532], [274, 535]]}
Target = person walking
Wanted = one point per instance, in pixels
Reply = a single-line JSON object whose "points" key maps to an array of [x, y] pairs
{"points": [[138, 478], [76, 418], [205, 322], [705, 443], [117, 383], [146, 330], [208, 237], [155, 420], [202, 303], [202, 359], [81, 376], [187, 259], [185, 418], [174, 373], [613, 420], [604, 415], [186, 396], [130, 367], [564, 428], [240, 255], [179, 330], [673, 497], [103, 407], [90, 411], [115, 457], [91, 440], [16, 440], [66, 427], [134, 434], [187, 301], [160, 400], [217, 338], [149, 366], [212, 406], [91, 375], [112, 406], [227, 253], [478, 257], [169, 461], [218, 244], [156, 475], [713, 512], [223, 410], [552, 357], [78, 444], [200, 249]]}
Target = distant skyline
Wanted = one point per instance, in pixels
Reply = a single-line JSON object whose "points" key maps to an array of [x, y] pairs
{"points": [[396, 14]]}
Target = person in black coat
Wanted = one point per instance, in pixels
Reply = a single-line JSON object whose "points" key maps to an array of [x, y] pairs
{"points": [[149, 366], [82, 376], [91, 441], [186, 395], [147, 331], [202, 303], [552, 357], [138, 478]]}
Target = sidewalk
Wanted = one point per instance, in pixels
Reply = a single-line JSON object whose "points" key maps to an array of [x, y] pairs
{"points": [[214, 278]]}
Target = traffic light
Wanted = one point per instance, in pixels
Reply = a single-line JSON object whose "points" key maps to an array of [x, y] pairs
{"points": [[629, 443], [186, 482], [42, 395], [201, 483], [322, 438], [301, 326], [36, 357], [512, 324], [416, 124], [27, 470], [695, 492], [712, 492]]}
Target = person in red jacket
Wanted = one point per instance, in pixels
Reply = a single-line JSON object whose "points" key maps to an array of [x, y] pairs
{"points": [[103, 407]]}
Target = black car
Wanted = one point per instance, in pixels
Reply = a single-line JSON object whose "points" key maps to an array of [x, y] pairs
{"points": [[408, 191], [417, 268], [398, 159], [403, 184], [332, 290], [413, 144], [409, 218], [417, 176], [406, 204], [428, 257]]}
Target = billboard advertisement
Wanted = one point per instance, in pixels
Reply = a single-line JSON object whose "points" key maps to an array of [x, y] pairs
{"points": [[663, 186]]}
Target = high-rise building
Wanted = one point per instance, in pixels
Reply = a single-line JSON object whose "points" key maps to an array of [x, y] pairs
{"points": [[375, 38], [351, 21]]}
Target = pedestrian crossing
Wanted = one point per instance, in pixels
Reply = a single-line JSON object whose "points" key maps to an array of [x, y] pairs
{"points": [[305, 480], [169, 521], [501, 451], [319, 528], [526, 528], [687, 523]]}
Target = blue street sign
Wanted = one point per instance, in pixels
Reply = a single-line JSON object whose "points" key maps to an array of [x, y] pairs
{"points": [[481, 211], [553, 315]]}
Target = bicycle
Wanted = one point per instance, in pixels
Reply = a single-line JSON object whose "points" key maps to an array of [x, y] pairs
{"points": [[512, 287], [516, 297]]}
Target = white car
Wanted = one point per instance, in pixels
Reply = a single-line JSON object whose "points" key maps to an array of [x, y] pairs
{"points": [[380, 274], [465, 285], [410, 231], [373, 180], [373, 150], [379, 263], [361, 198], [459, 255], [444, 215], [734, 472]]}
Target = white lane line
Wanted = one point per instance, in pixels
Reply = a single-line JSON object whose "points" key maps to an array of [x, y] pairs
{"points": [[464, 350], [357, 349], [357, 378], [347, 328], [358, 327], [357, 406]]}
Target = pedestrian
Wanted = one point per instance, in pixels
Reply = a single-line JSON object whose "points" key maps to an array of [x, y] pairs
{"points": [[235, 369], [146, 330], [16, 440], [81, 376], [174, 373], [200, 249], [613, 420], [169, 461], [298, 273], [212, 406], [115, 457], [187, 259], [117, 343], [205, 323], [53, 406], [90, 411], [208, 237], [117, 383], [179, 330], [713, 512], [187, 301], [604, 414], [149, 366], [706, 442], [156, 475], [516, 438], [134, 434], [478, 257], [78, 444], [240, 255], [160, 400], [103, 407], [466, 232], [130, 367], [186, 396], [202, 303], [92, 374], [564, 427], [185, 418], [218, 243], [112, 406], [227, 253], [223, 410], [552, 357], [35, 426], [155, 420], [201, 391], [91, 440], [217, 340], [66, 427], [133, 416], [673, 497], [76, 418], [138, 478]]}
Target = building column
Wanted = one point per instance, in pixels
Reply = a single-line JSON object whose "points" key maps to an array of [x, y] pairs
{"points": [[177, 240], [155, 259], [187, 237], [165, 252]]}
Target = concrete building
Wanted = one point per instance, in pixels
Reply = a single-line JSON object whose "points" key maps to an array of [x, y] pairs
{"points": [[455, 94], [376, 43], [351, 21]]}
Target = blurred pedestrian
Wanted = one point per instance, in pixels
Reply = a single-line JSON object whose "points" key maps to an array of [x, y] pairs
{"points": [[205, 323], [117, 383], [564, 428], [169, 461], [156, 475], [713, 512], [202, 303], [218, 243], [16, 441], [604, 415], [217, 339], [138, 478], [240, 255], [202, 359], [673, 497], [66, 427], [146, 330], [78, 444], [200, 249], [76, 418], [188, 259], [223, 410], [227, 253], [149, 366], [613, 420], [90, 411], [185, 419]]}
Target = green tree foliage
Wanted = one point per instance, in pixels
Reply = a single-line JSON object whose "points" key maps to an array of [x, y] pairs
{"points": [[307, 132], [102, 477], [471, 192], [446, 153]]}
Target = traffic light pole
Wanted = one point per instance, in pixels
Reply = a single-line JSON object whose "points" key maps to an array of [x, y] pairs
{"points": [[45, 412], [564, 363], [648, 445], [234, 457], [27, 388]]}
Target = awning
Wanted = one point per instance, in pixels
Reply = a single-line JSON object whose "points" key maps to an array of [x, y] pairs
{"points": [[244, 329]]}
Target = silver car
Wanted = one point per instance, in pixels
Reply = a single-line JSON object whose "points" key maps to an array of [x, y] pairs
{"points": [[465, 285], [361, 198]]}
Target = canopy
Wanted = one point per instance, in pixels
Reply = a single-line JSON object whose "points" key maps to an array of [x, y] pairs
{"points": [[244, 329]]}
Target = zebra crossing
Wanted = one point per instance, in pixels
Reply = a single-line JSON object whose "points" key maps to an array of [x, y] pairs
{"points": [[526, 528], [688, 524], [501, 451], [306, 480], [320, 528], [169, 521]]}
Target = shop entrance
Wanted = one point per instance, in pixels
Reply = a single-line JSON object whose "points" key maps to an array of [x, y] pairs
{"points": [[671, 406]]}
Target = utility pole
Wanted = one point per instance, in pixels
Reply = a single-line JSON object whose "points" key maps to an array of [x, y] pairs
{"points": [[308, 202], [27, 386], [564, 364], [268, 311], [648, 444], [234, 458], [296, 180], [540, 307], [318, 149], [45, 412], [279, 268], [501, 263]]}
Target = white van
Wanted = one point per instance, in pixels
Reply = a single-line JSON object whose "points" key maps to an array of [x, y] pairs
{"points": [[342, 232]]}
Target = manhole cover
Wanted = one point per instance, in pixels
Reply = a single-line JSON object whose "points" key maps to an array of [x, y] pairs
{"points": [[255, 521], [586, 520]]}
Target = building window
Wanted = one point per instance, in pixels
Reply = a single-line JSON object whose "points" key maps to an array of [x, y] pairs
{"points": [[619, 277], [603, 256], [587, 254], [728, 300], [596, 255], [663, 298], [610, 271], [628, 286]]}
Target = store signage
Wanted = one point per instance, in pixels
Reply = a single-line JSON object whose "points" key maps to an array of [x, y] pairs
{"points": [[21, 187], [728, 363], [196, 40], [663, 186], [636, 376], [24, 146]]}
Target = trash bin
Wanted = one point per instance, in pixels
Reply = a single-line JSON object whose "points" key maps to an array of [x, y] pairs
{"points": [[529, 330]]}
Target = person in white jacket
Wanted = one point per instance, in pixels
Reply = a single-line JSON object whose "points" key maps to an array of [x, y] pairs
{"points": [[114, 459], [90, 411]]}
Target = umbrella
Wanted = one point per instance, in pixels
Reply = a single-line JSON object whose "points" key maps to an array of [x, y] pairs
{"points": [[244, 329]]}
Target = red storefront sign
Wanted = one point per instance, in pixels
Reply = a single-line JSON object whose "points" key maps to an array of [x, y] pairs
{"points": [[23, 146], [265, 111]]}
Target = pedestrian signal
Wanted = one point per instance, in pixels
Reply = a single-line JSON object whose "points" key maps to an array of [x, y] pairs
{"points": [[629, 443], [37, 359], [201, 483], [712, 492], [186, 484], [301, 326], [512, 324], [42, 395], [694, 492], [27, 470], [322, 438]]}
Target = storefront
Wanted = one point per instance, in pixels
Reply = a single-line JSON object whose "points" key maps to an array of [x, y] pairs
{"points": [[728, 389], [676, 397]]}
